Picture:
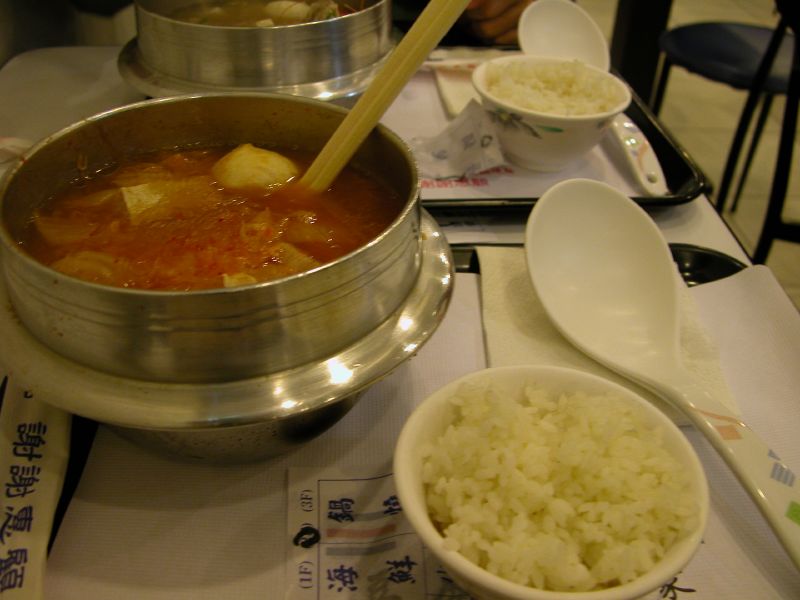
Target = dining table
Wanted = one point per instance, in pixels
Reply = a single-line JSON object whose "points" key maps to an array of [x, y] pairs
{"points": [[130, 522]]}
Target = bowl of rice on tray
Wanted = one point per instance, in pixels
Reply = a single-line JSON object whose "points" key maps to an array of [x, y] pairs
{"points": [[548, 483], [549, 112]]}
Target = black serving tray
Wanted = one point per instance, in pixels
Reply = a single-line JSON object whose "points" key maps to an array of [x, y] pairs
{"points": [[684, 178], [696, 264]]}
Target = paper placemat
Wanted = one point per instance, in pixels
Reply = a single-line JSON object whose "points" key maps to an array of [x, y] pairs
{"points": [[352, 540], [147, 526]]}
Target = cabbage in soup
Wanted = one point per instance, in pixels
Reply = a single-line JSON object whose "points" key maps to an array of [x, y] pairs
{"points": [[198, 219]]}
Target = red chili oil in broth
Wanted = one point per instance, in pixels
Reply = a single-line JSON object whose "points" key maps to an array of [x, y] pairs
{"points": [[200, 232]]}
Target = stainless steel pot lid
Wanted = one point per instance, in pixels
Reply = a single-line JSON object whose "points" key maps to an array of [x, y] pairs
{"points": [[151, 405], [155, 84]]}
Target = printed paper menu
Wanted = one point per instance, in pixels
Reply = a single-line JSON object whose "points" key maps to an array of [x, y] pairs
{"points": [[350, 540]]}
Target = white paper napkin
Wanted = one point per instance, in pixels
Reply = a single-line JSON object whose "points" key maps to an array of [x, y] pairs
{"points": [[468, 145], [518, 331]]}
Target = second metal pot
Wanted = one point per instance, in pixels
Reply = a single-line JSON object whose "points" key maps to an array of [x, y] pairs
{"points": [[328, 60]]}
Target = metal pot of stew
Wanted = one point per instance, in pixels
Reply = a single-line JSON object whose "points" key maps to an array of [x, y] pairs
{"points": [[325, 49], [147, 291]]}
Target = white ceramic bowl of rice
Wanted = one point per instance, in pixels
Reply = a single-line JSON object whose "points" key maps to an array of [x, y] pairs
{"points": [[546, 483], [550, 112]]}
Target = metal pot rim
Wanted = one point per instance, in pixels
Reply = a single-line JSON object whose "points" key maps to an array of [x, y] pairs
{"points": [[329, 59], [343, 89]]}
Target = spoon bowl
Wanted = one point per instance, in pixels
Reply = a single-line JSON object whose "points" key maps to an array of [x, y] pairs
{"points": [[562, 29], [636, 324], [605, 277]]}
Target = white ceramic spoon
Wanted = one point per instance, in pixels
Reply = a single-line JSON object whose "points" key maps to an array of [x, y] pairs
{"points": [[606, 279], [562, 29]]}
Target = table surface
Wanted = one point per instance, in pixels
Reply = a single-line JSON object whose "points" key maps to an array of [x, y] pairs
{"points": [[47, 89]]}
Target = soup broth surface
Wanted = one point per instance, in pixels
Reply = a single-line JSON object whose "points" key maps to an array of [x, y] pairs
{"points": [[164, 223]]}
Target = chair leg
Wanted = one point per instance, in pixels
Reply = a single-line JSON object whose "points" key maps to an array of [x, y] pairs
{"points": [[780, 182], [657, 98], [766, 104], [736, 147], [747, 113]]}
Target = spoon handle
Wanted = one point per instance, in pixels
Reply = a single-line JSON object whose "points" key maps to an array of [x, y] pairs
{"points": [[766, 478]]}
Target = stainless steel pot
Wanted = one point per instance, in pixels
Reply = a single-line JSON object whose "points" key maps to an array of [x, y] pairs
{"points": [[329, 60], [209, 335], [230, 374]]}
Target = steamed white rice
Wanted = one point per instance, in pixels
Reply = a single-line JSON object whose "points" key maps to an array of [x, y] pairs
{"points": [[555, 491], [567, 88]]}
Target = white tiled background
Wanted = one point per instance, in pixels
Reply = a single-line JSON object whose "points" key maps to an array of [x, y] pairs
{"points": [[700, 114]]}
